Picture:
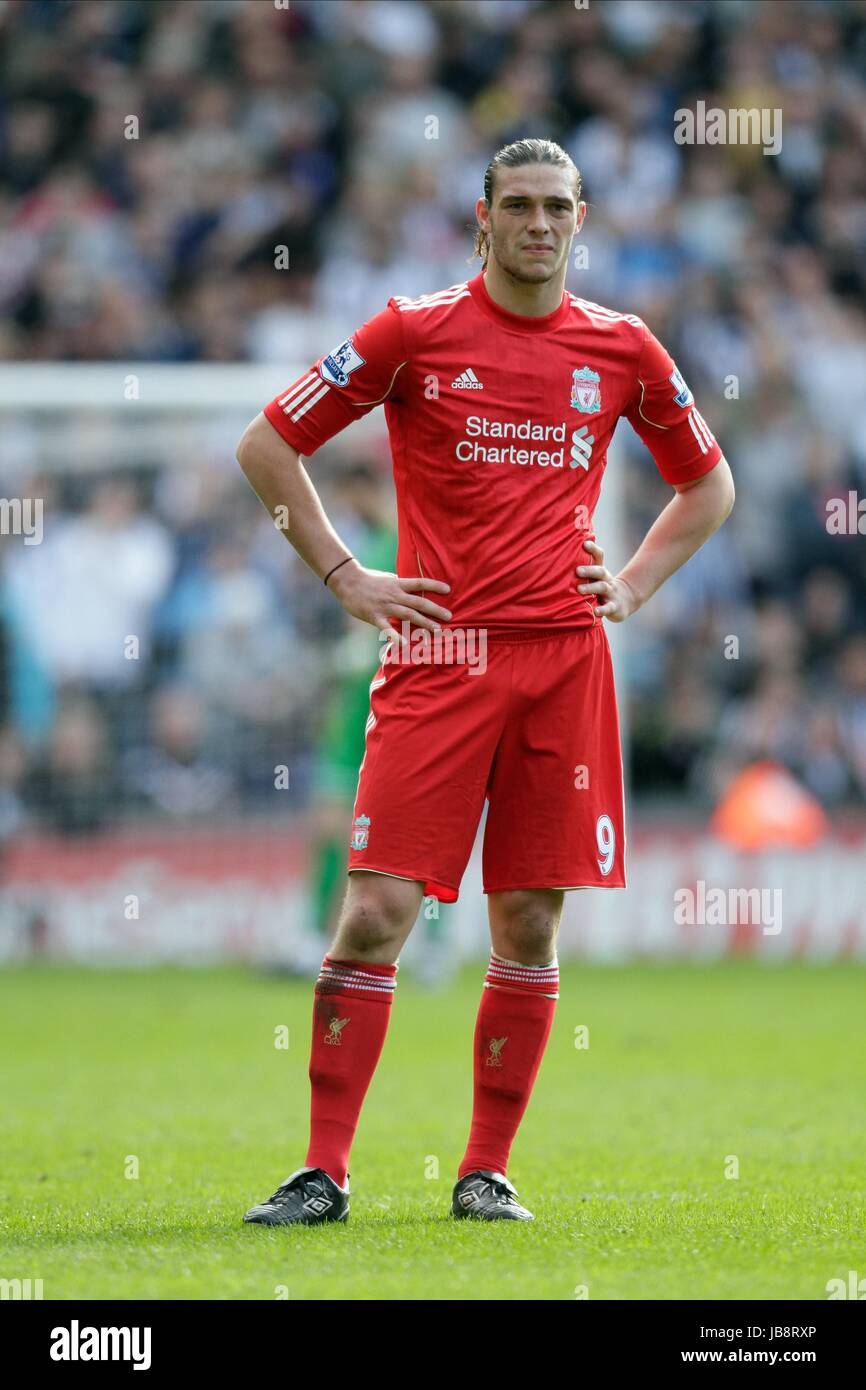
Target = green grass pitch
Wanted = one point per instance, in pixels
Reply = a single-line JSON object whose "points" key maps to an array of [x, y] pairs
{"points": [[622, 1154]]}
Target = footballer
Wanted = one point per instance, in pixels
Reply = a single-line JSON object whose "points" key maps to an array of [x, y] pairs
{"points": [[501, 395]]}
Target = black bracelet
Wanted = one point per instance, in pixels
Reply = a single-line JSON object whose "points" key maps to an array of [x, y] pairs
{"points": [[336, 567]]}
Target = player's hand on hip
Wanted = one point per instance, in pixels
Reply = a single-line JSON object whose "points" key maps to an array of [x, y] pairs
{"points": [[617, 601], [377, 597]]}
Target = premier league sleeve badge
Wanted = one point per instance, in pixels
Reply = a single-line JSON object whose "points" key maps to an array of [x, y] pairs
{"points": [[338, 366]]}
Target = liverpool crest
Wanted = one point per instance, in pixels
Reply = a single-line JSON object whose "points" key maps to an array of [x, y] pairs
{"points": [[495, 1057], [335, 1028], [360, 833], [586, 390]]}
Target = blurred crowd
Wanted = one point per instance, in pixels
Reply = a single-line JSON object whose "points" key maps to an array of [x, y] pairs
{"points": [[234, 180]]}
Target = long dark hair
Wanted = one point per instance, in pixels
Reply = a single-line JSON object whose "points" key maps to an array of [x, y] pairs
{"points": [[511, 157]]}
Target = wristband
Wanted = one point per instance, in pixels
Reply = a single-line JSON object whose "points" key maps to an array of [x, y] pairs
{"points": [[336, 567]]}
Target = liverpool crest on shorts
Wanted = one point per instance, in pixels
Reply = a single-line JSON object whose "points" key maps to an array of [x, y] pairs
{"points": [[586, 390], [360, 833]]}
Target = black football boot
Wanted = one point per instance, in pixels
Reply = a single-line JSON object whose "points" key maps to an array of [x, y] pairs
{"points": [[488, 1197], [308, 1197]]}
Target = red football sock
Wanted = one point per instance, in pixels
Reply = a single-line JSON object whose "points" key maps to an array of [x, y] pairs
{"points": [[514, 1022], [351, 1011]]}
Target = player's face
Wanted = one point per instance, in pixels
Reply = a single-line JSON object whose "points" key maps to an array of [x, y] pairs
{"points": [[532, 221]]}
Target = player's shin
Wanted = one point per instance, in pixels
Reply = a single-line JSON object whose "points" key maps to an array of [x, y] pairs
{"points": [[511, 1032], [351, 1012]]}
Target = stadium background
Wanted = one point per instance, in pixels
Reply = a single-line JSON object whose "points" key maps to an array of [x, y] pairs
{"points": [[199, 198]]}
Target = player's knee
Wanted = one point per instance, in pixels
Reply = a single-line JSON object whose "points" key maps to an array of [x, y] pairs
{"points": [[524, 924], [376, 919], [363, 935], [531, 945]]}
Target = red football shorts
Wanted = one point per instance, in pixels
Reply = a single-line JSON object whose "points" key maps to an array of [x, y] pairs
{"points": [[531, 724]]}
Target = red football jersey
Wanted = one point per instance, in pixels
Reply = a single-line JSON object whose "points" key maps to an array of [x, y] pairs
{"points": [[499, 426]]}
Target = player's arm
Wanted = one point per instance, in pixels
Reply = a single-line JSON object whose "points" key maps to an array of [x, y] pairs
{"points": [[697, 510], [276, 473], [688, 457], [338, 389]]}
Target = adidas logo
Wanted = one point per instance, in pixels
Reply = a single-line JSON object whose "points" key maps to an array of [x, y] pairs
{"points": [[468, 381]]}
